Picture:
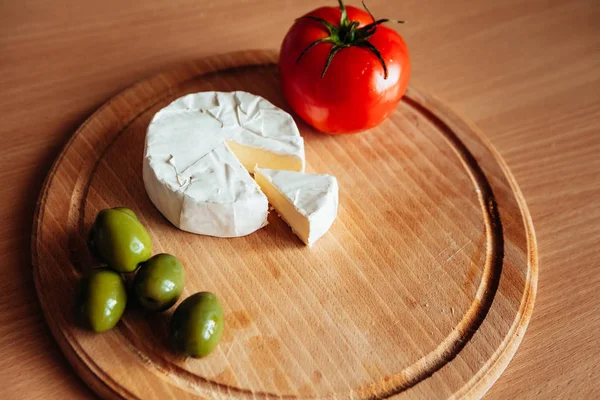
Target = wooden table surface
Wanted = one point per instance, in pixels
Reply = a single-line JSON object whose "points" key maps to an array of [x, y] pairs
{"points": [[527, 72]]}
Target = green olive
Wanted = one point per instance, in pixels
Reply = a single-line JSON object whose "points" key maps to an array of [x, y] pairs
{"points": [[118, 239], [159, 282], [101, 299], [197, 325], [127, 211]]}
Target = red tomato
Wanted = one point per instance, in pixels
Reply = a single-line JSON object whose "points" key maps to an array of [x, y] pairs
{"points": [[365, 79]]}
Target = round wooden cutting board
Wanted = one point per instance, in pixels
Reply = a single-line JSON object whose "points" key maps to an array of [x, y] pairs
{"points": [[422, 288]]}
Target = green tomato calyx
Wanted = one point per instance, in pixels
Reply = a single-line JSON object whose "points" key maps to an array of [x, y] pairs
{"points": [[347, 34]]}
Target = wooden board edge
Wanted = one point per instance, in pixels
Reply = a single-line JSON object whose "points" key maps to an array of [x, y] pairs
{"points": [[481, 383]]}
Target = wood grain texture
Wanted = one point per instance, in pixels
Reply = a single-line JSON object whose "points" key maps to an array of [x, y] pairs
{"points": [[423, 287], [525, 71]]}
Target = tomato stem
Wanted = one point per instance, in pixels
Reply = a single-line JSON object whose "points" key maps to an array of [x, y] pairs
{"points": [[313, 44], [374, 50], [344, 17], [369, 11], [347, 34], [330, 27], [332, 53]]}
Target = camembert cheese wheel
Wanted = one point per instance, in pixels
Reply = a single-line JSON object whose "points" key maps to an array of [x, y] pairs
{"points": [[199, 150]]}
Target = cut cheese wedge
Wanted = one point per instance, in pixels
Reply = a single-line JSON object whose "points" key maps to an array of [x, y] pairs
{"points": [[308, 203], [195, 154]]}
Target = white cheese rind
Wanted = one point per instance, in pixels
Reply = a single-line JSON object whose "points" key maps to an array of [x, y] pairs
{"points": [[198, 122], [191, 175], [216, 197]]}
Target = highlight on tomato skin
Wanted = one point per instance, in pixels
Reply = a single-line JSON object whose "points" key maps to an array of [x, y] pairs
{"points": [[343, 71]]}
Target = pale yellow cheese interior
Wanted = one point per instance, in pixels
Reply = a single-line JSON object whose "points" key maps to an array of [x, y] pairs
{"points": [[285, 208], [252, 156]]}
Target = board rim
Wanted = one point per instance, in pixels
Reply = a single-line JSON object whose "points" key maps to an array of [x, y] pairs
{"points": [[475, 387]]}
